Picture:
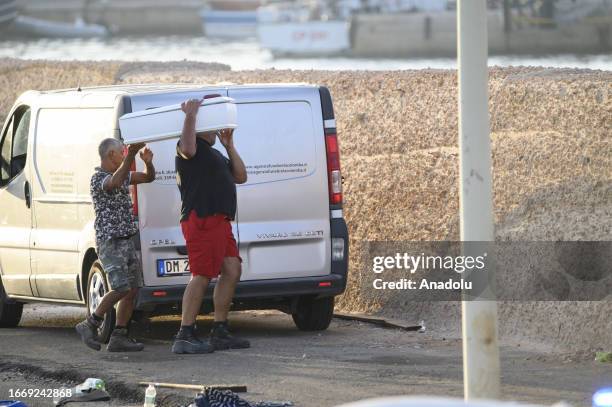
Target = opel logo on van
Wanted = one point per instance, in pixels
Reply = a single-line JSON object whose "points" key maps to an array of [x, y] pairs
{"points": [[162, 242]]}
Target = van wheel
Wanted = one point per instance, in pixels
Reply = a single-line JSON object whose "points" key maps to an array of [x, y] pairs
{"points": [[10, 312], [97, 287], [314, 314]]}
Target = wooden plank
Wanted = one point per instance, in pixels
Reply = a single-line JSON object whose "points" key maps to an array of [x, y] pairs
{"points": [[386, 323], [236, 388]]}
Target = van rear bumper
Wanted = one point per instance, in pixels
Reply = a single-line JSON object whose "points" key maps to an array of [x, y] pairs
{"points": [[324, 286], [262, 294]]}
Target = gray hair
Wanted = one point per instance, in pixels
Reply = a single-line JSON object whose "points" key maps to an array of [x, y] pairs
{"points": [[107, 145]]}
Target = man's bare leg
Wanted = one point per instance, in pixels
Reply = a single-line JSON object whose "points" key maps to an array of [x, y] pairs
{"points": [[125, 307], [108, 301], [231, 270], [220, 337], [192, 299]]}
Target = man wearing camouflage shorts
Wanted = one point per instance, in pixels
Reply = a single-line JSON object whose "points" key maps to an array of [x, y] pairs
{"points": [[115, 225]]}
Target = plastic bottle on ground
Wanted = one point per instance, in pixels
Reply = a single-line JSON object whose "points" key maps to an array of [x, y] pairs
{"points": [[150, 395]]}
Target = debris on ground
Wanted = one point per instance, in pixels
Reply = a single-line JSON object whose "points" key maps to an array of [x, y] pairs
{"points": [[422, 329], [227, 398], [385, 323], [603, 357], [92, 389], [236, 388]]}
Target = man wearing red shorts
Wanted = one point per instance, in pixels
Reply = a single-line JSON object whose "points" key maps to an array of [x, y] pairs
{"points": [[207, 183]]}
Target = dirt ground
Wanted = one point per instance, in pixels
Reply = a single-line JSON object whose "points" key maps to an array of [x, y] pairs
{"points": [[350, 361]]}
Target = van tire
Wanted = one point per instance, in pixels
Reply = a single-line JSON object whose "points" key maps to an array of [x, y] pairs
{"points": [[314, 314], [97, 279], [10, 312]]}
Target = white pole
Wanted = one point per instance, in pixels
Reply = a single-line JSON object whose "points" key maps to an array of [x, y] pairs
{"points": [[479, 318]]}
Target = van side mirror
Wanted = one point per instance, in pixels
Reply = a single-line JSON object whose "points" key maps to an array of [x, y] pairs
{"points": [[5, 171]]}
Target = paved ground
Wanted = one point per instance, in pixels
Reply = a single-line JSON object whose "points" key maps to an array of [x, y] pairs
{"points": [[349, 361]]}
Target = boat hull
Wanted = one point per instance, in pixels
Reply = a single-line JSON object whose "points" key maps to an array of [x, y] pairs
{"points": [[310, 38], [38, 28], [8, 12], [230, 24]]}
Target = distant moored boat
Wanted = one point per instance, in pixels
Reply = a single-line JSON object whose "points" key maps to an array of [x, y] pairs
{"points": [[35, 27], [230, 19], [302, 29], [8, 12], [230, 24]]}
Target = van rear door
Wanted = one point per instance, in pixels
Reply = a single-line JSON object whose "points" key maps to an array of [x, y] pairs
{"points": [[283, 208], [164, 260]]}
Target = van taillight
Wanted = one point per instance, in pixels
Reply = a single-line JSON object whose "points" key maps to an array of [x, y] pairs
{"points": [[333, 169], [134, 192]]}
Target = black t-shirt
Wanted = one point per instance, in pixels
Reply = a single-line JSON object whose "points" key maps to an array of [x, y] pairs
{"points": [[206, 182]]}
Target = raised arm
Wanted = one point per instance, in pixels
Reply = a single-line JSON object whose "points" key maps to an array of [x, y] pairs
{"points": [[187, 143], [148, 175], [226, 136], [119, 176]]}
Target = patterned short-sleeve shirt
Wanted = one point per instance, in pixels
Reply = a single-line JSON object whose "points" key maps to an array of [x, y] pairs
{"points": [[114, 213]]}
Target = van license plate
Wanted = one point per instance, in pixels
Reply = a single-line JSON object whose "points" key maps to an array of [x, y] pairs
{"points": [[172, 267]]}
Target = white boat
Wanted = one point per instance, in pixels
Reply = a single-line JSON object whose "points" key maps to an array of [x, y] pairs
{"points": [[166, 122], [35, 27], [290, 29], [229, 24], [8, 12], [308, 38], [387, 6]]}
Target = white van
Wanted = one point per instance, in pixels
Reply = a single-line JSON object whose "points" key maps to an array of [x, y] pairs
{"points": [[289, 225]]}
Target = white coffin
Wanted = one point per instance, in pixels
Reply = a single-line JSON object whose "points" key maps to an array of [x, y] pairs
{"points": [[167, 122]]}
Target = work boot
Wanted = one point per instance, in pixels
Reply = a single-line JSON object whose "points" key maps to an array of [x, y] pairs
{"points": [[120, 342], [221, 338], [88, 330], [186, 341]]}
